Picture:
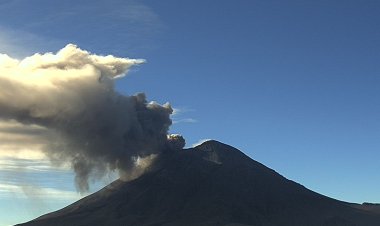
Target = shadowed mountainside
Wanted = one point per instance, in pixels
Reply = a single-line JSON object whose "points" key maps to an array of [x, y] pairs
{"points": [[211, 184]]}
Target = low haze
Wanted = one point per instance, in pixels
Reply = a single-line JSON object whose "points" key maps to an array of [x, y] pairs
{"points": [[293, 84]]}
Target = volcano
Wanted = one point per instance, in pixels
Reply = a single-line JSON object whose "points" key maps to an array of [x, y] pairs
{"points": [[211, 184]]}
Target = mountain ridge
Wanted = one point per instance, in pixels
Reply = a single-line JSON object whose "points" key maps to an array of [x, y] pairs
{"points": [[210, 184]]}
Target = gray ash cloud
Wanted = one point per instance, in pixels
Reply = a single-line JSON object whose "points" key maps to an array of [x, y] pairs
{"points": [[95, 129]]}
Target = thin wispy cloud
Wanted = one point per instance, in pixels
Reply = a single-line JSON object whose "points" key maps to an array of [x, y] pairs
{"points": [[19, 43], [184, 120], [30, 191], [132, 25], [179, 115], [28, 165], [7, 152], [21, 142], [181, 110], [23, 161]]}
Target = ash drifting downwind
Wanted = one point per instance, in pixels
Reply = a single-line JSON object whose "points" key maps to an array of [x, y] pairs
{"points": [[93, 127]]}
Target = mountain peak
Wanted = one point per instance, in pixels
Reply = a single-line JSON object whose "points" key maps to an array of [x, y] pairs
{"points": [[214, 146], [220, 153], [211, 143], [210, 184]]}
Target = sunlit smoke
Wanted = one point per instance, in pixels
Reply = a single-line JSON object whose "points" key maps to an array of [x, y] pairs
{"points": [[71, 94]]}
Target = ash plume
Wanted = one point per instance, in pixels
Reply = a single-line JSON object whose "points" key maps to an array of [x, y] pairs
{"points": [[95, 129]]}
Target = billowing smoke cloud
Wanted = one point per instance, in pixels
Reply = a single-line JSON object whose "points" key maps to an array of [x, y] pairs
{"points": [[71, 93]]}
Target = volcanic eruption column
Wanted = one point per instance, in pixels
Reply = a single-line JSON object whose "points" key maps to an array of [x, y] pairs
{"points": [[72, 95]]}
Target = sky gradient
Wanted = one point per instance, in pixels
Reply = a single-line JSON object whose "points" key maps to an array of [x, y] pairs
{"points": [[293, 84]]}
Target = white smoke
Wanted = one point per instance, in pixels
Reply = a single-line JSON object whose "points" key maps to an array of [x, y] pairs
{"points": [[71, 94]]}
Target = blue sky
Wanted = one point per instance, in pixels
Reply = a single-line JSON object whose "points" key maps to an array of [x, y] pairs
{"points": [[293, 84]]}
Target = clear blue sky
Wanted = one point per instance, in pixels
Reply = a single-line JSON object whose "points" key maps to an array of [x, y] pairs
{"points": [[293, 84]]}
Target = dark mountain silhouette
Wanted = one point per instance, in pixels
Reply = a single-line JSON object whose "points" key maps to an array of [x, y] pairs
{"points": [[211, 184]]}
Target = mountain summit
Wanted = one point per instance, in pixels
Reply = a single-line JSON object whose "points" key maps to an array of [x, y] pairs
{"points": [[211, 184]]}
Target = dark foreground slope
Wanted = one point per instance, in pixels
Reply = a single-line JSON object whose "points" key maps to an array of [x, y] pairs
{"points": [[212, 184]]}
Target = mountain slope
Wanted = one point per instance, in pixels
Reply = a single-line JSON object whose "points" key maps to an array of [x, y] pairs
{"points": [[211, 184]]}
